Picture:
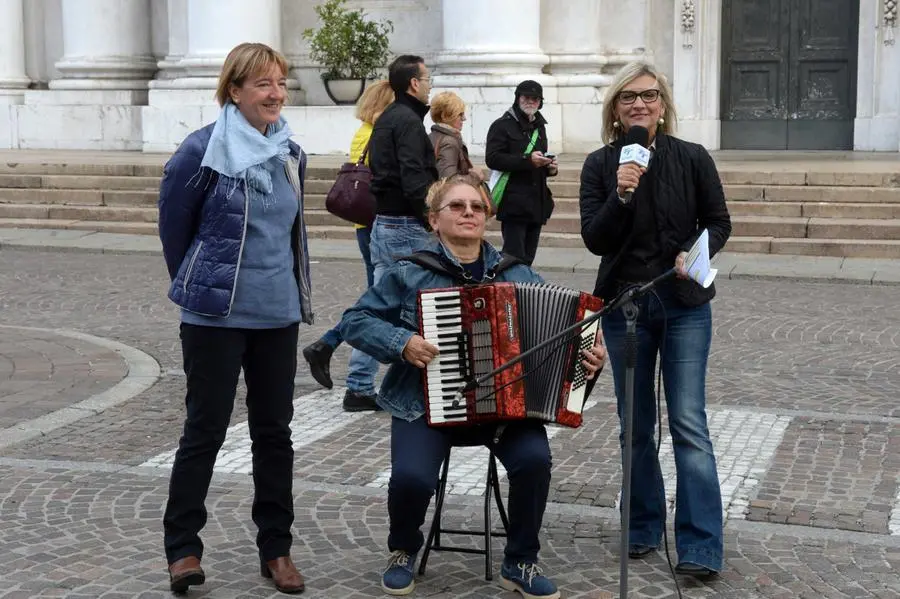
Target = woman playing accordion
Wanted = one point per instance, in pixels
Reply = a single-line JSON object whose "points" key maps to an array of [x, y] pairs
{"points": [[384, 324]]}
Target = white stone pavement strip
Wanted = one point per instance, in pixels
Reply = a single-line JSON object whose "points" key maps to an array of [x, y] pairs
{"points": [[744, 443], [468, 467], [316, 416], [894, 521], [143, 372]]}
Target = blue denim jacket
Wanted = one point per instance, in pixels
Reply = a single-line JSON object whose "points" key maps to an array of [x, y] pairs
{"points": [[386, 316]]}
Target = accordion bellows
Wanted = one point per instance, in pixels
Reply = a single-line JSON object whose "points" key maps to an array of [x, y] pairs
{"points": [[479, 328]]}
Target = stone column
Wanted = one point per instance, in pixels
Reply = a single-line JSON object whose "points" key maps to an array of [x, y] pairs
{"points": [[625, 31], [483, 59], [877, 124], [13, 80], [107, 47], [571, 36], [177, 35], [477, 47], [697, 71], [201, 34], [217, 26]]}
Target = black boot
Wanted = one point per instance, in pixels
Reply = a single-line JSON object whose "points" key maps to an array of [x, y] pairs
{"points": [[318, 355], [359, 402]]}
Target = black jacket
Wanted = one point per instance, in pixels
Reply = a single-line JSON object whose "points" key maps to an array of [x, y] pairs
{"points": [[527, 196], [402, 159], [688, 196]]}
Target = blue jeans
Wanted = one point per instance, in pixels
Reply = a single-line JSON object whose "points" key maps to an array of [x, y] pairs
{"points": [[364, 240], [362, 368], [394, 237], [682, 338], [417, 451]]}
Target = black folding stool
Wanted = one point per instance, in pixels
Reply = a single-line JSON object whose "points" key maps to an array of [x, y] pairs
{"points": [[492, 487]]}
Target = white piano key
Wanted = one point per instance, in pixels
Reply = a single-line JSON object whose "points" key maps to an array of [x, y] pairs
{"points": [[437, 294]]}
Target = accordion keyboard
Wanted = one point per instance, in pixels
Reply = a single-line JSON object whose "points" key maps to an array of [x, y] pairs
{"points": [[442, 327]]}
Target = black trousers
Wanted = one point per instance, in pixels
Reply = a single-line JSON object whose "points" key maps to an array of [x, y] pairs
{"points": [[521, 239], [213, 358]]}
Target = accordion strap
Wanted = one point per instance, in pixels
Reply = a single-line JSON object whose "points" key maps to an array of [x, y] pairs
{"points": [[436, 263]]}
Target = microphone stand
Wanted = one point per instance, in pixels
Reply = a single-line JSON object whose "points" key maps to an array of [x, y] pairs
{"points": [[625, 302]]}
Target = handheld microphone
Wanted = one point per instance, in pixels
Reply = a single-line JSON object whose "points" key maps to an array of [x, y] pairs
{"points": [[635, 151]]}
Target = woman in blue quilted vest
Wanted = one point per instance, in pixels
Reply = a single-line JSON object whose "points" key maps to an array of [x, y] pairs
{"points": [[234, 241]]}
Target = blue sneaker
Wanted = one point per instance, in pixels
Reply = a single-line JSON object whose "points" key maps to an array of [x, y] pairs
{"points": [[399, 577], [526, 578]]}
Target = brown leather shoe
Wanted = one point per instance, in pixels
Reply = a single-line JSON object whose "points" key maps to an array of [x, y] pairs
{"points": [[184, 573], [284, 574]]}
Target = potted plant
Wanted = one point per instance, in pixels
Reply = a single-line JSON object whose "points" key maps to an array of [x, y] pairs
{"points": [[350, 47]]}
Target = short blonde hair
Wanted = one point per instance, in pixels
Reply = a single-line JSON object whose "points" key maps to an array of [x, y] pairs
{"points": [[440, 188], [626, 75], [243, 61], [374, 100], [446, 107]]}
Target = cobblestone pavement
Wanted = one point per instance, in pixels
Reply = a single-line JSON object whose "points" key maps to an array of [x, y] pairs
{"points": [[802, 403]]}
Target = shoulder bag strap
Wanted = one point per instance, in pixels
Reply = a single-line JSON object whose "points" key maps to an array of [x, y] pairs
{"points": [[362, 157]]}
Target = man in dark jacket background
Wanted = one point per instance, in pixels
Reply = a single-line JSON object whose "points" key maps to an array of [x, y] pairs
{"points": [[527, 202], [403, 166]]}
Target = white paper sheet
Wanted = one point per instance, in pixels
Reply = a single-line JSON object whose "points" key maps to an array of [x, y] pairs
{"points": [[697, 261]]}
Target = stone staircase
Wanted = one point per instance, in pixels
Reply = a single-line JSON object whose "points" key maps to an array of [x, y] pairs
{"points": [[819, 209]]}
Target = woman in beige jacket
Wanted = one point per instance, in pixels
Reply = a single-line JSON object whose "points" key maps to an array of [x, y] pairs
{"points": [[448, 111]]}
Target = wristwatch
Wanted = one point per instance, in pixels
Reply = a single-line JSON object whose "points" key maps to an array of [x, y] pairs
{"points": [[624, 201]]}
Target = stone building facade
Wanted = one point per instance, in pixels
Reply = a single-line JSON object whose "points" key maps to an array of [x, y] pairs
{"points": [[765, 74]]}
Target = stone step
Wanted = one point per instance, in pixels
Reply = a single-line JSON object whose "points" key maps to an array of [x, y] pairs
{"points": [[851, 248], [848, 248], [853, 228], [562, 223], [768, 226], [825, 193], [81, 225], [768, 172], [79, 197], [813, 209], [95, 182], [765, 175], [82, 168], [122, 214]]}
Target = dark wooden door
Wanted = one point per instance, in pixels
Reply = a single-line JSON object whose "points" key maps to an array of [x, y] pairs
{"points": [[789, 74]]}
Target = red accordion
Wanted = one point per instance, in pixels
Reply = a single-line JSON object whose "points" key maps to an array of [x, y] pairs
{"points": [[479, 328]]}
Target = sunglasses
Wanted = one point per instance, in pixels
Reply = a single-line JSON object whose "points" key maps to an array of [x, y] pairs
{"points": [[649, 96], [460, 206]]}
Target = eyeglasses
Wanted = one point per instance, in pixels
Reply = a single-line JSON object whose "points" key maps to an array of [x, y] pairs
{"points": [[425, 79], [649, 96], [460, 206]]}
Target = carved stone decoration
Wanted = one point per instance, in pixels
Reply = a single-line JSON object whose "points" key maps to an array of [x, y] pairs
{"points": [[890, 21], [687, 23]]}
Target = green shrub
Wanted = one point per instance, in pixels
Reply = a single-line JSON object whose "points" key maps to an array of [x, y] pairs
{"points": [[348, 45]]}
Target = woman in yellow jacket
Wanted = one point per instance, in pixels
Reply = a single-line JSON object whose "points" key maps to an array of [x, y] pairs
{"points": [[361, 372]]}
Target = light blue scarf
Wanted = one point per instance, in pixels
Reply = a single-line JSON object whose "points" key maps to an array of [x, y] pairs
{"points": [[238, 150]]}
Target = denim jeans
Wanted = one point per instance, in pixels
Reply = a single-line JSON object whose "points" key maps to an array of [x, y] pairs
{"points": [[417, 451], [362, 367], [394, 237], [213, 359], [681, 336], [364, 240]]}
